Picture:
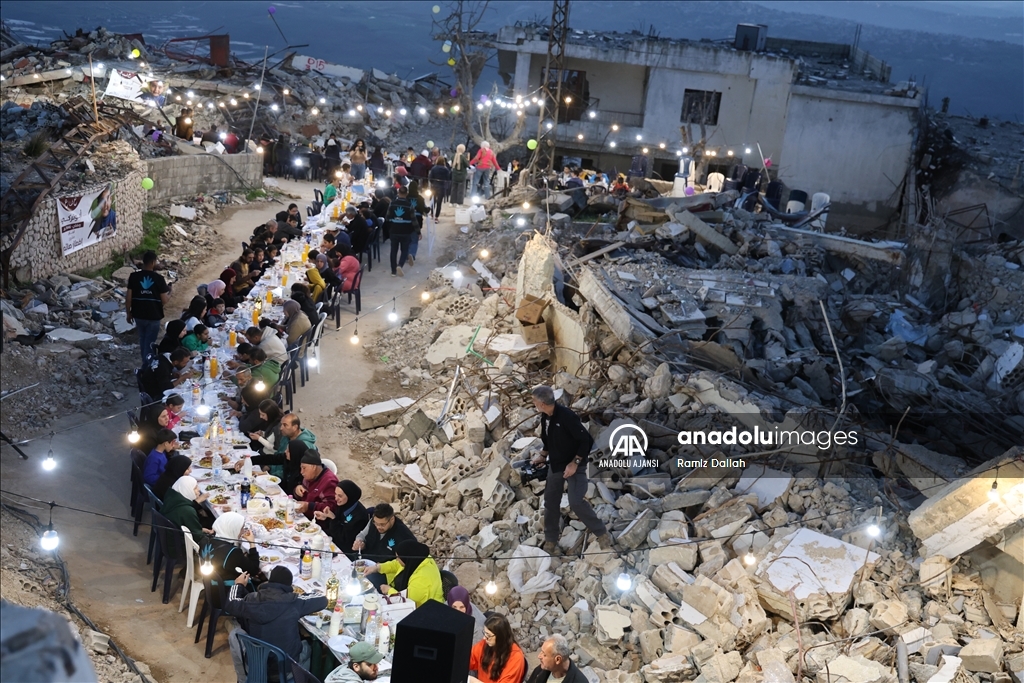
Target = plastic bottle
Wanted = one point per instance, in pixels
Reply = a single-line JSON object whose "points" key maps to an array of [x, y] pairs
{"points": [[289, 510], [316, 568], [245, 492], [218, 467], [197, 394], [371, 629], [213, 367], [336, 617], [306, 569], [384, 639], [232, 338], [247, 468], [332, 587]]}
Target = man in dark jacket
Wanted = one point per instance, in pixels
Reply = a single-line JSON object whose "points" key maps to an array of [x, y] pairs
{"points": [[162, 372], [272, 614], [401, 222], [381, 537], [555, 663], [358, 230], [567, 446]]}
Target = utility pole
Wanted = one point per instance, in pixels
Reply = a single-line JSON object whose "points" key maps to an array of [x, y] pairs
{"points": [[552, 92]]}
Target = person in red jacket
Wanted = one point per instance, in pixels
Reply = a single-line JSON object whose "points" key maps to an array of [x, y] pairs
{"points": [[485, 164], [317, 488]]}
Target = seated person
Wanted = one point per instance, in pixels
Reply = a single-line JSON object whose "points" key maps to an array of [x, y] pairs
{"points": [[497, 658], [245, 276], [286, 459], [341, 237], [621, 187], [225, 553], [270, 255], [316, 492], [292, 210], [347, 519], [267, 431], [158, 416], [323, 266], [178, 508], [271, 614], [412, 571], [156, 461], [378, 540], [327, 241], [217, 314], [363, 659], [317, 285], [164, 372], [195, 313], [271, 344], [358, 229], [331, 190], [268, 233], [348, 267], [259, 380], [198, 339], [458, 599], [300, 293], [290, 227]]}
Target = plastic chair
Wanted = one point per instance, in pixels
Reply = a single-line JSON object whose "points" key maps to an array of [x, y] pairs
{"points": [[372, 249], [318, 195], [448, 582], [216, 595], [285, 392], [329, 464], [167, 553], [357, 283], [318, 333], [138, 497], [257, 659], [193, 587], [300, 675], [154, 506]]}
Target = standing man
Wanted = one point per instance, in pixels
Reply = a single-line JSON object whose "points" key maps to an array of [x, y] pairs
{"points": [[567, 447], [401, 223], [148, 292], [555, 664]]}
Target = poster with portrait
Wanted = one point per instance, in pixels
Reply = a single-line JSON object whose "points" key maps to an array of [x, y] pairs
{"points": [[86, 219], [128, 85]]}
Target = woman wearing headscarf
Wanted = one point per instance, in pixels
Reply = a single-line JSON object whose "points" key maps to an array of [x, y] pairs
{"points": [[460, 174], [300, 293], [316, 281], [497, 658], [156, 416], [458, 599], [228, 277], [295, 323], [179, 509], [217, 290], [348, 267], [177, 466], [195, 313], [323, 266], [345, 522], [285, 464], [173, 335], [413, 571], [227, 557], [268, 432]]}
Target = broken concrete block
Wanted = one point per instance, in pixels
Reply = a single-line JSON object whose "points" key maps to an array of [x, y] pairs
{"points": [[844, 669], [983, 654], [774, 667], [887, 615], [934, 575], [636, 533], [705, 233], [674, 550], [670, 578], [651, 645], [767, 484], [95, 641], [722, 667], [185, 212], [611, 622], [672, 669], [963, 514], [659, 385], [680, 641], [385, 492], [487, 541], [856, 621], [381, 414], [948, 672], [819, 569], [724, 520]]}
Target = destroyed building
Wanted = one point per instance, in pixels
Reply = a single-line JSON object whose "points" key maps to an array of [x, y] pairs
{"points": [[825, 114]]}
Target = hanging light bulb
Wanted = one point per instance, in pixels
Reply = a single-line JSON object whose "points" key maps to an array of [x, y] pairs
{"points": [[526, 205], [491, 588], [645, 150], [49, 463], [611, 144], [403, 111], [315, 111], [475, 199], [134, 436], [273, 107], [359, 107], [312, 362], [480, 106], [549, 125], [245, 95], [422, 111], [286, 91], [874, 531], [679, 153], [221, 104], [355, 334], [393, 315], [440, 110], [661, 145], [747, 150], [202, 408], [351, 112], [190, 93], [188, 120], [993, 493], [323, 100], [233, 101], [387, 112], [352, 588], [425, 296], [639, 137], [592, 114], [623, 582], [579, 136], [484, 253], [457, 274], [749, 558], [729, 152], [49, 540], [260, 385], [206, 568], [685, 150], [615, 126], [520, 222]]}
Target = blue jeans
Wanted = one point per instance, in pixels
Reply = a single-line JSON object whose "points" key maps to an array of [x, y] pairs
{"points": [[482, 182], [414, 243], [149, 330], [358, 171]]}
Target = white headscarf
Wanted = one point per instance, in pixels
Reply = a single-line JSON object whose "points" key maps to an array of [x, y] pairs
{"points": [[229, 525], [186, 486]]}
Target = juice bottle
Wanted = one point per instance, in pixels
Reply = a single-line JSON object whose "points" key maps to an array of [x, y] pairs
{"points": [[232, 338], [305, 251], [284, 279], [270, 296], [213, 367], [255, 317]]}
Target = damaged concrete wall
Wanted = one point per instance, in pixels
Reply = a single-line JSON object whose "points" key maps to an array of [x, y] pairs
{"points": [[187, 176], [619, 87], [853, 146]]}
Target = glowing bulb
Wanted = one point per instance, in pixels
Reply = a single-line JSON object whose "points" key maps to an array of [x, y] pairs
{"points": [[223, 136], [49, 463], [286, 91], [273, 107], [993, 493], [491, 588], [209, 105], [874, 531], [387, 112], [351, 112], [359, 107], [526, 205], [661, 145], [422, 111], [729, 152], [134, 436], [190, 93], [623, 582], [393, 316], [323, 100], [259, 150], [352, 588], [534, 100], [298, 162], [645, 150], [425, 296], [440, 110], [202, 408], [221, 104], [403, 111], [380, 108], [520, 222], [679, 153], [354, 338], [475, 199], [747, 150], [233, 101], [188, 121], [427, 193], [245, 95], [480, 106], [260, 385], [457, 274], [749, 559], [592, 114], [615, 126], [256, 87], [315, 111], [188, 102], [685, 150], [549, 125], [639, 137], [612, 143], [49, 540], [381, 183], [206, 568], [580, 136], [484, 253], [312, 362], [177, 98], [568, 100]]}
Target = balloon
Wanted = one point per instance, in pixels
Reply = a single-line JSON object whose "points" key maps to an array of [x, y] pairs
{"points": [[136, 53], [272, 9], [436, 9], [689, 191], [454, 110], [451, 61], [447, 46], [531, 144], [483, 99], [430, 144], [453, 92], [147, 183]]}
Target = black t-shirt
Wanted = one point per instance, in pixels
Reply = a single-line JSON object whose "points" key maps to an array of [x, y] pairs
{"points": [[146, 287]]}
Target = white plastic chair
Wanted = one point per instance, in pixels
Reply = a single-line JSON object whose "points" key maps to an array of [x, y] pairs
{"points": [[329, 464], [715, 182], [318, 333], [192, 551]]}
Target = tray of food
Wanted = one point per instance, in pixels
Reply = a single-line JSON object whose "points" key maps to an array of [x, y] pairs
{"points": [[220, 499], [307, 528], [270, 523]]}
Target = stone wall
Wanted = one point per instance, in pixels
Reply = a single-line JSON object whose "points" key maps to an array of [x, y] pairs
{"points": [[39, 254], [188, 175]]}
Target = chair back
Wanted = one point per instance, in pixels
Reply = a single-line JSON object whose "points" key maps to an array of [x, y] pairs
{"points": [[191, 553], [167, 536], [154, 502], [300, 675], [448, 582], [215, 590], [138, 461], [329, 464], [318, 196], [318, 331], [357, 281], [257, 659]]}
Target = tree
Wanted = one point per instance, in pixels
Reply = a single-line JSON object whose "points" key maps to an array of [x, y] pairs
{"points": [[470, 50]]}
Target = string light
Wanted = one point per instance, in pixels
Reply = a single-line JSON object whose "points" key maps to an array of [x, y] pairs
{"points": [[592, 114], [440, 110], [403, 111], [50, 540], [352, 588], [422, 111], [612, 144], [685, 150], [202, 408], [645, 150], [491, 588], [639, 137], [233, 101], [323, 100], [260, 385], [526, 205], [387, 112], [484, 253], [568, 99], [286, 91], [274, 107], [580, 136], [206, 568], [749, 559], [661, 145], [359, 107], [315, 111], [457, 274], [615, 126], [355, 333], [351, 112], [245, 95], [520, 222], [190, 93], [134, 436], [747, 150], [874, 531], [312, 362], [393, 315], [49, 463], [993, 493], [425, 296], [729, 153], [623, 582]]}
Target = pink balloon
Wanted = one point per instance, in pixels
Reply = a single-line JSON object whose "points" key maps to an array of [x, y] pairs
{"points": [[689, 191]]}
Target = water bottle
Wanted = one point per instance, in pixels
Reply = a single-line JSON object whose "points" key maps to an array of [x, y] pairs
{"points": [[316, 568], [247, 467], [371, 629], [289, 510], [218, 467], [246, 492]]}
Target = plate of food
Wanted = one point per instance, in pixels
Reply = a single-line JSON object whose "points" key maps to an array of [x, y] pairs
{"points": [[307, 528], [270, 523], [270, 558], [214, 487], [267, 480], [219, 499], [298, 590], [206, 462]]}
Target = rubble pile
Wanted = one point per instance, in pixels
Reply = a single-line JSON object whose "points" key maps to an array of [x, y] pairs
{"points": [[31, 579], [886, 560]]}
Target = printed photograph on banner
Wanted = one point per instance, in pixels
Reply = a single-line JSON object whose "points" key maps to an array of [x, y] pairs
{"points": [[128, 85], [86, 219]]}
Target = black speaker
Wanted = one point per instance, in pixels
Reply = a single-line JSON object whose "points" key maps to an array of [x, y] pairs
{"points": [[432, 645]]}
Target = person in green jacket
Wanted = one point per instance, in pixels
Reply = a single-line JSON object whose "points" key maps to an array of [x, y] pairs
{"points": [[413, 571], [179, 508], [198, 339], [331, 190]]}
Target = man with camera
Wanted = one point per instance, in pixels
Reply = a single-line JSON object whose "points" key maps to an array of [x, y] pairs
{"points": [[567, 446]]}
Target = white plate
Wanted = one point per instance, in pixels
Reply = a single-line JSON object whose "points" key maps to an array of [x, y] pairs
{"points": [[104, 337], [266, 480], [340, 644]]}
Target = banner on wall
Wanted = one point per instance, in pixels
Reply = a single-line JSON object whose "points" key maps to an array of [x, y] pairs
{"points": [[128, 85], [86, 219]]}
